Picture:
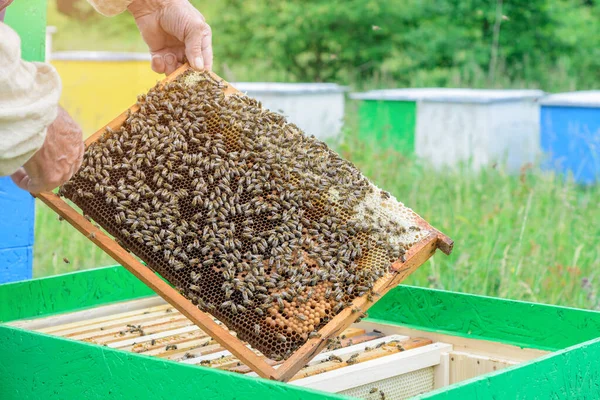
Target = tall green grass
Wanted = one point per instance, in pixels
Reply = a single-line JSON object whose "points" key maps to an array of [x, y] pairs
{"points": [[60, 248]]}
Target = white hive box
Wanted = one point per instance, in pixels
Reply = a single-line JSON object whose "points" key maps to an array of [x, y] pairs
{"points": [[475, 126], [317, 108]]}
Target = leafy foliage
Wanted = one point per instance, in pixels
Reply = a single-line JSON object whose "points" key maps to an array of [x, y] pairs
{"points": [[312, 40], [417, 42], [550, 44]]}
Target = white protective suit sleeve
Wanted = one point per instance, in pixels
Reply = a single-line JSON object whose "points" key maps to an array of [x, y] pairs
{"points": [[29, 94]]}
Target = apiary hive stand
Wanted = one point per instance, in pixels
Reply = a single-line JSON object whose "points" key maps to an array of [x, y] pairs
{"points": [[299, 346]]}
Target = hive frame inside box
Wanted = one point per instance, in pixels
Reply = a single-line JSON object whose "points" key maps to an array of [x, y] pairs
{"points": [[415, 257]]}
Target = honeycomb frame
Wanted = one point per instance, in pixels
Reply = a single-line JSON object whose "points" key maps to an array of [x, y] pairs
{"points": [[415, 256]]}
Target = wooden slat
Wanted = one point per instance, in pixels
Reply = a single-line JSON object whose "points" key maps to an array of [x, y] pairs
{"points": [[183, 347], [349, 341], [382, 351], [131, 344], [148, 330], [117, 322], [78, 318]]}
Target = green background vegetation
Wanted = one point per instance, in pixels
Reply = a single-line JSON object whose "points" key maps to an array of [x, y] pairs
{"points": [[531, 236], [553, 45]]}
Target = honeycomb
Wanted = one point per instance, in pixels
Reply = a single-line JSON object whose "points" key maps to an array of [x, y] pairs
{"points": [[259, 225]]}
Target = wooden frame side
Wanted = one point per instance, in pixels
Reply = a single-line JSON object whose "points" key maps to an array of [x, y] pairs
{"points": [[572, 373], [146, 275]]}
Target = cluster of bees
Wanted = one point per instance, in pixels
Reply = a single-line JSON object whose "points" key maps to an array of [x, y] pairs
{"points": [[267, 229]]}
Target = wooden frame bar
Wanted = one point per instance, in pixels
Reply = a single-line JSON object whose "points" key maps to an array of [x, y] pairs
{"points": [[416, 256]]}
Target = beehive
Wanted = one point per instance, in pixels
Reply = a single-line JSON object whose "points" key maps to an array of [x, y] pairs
{"points": [[266, 229]]}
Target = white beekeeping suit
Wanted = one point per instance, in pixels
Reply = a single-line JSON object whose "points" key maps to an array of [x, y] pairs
{"points": [[29, 94]]}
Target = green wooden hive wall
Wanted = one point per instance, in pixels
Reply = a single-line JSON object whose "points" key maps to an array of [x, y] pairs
{"points": [[34, 366]]}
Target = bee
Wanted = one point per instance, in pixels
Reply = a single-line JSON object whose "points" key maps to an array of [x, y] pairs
{"points": [[281, 338], [226, 304], [66, 260], [301, 317], [195, 288], [256, 329], [338, 307], [314, 334]]}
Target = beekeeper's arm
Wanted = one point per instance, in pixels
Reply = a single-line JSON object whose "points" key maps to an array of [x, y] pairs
{"points": [[38, 150], [172, 29]]}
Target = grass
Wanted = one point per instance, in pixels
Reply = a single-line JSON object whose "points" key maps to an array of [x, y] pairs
{"points": [[56, 241]]}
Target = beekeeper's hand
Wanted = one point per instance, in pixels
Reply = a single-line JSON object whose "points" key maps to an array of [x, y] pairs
{"points": [[173, 29], [57, 160]]}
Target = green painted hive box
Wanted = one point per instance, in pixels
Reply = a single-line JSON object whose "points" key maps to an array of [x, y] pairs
{"points": [[102, 334]]}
